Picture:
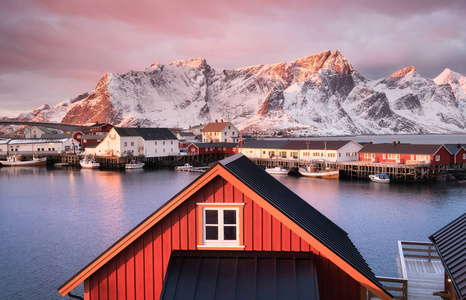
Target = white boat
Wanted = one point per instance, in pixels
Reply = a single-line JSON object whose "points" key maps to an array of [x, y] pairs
{"points": [[382, 178], [184, 168], [314, 172], [89, 163], [15, 161], [134, 165], [277, 171]]}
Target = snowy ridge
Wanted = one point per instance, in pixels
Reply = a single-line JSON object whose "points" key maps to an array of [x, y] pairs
{"points": [[320, 94]]}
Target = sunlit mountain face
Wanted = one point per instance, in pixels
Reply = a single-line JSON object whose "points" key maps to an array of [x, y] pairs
{"points": [[321, 94]]}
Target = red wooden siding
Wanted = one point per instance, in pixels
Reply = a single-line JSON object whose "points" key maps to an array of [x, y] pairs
{"points": [[138, 271]]}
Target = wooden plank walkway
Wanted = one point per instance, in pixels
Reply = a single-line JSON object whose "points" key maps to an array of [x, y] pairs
{"points": [[424, 278]]}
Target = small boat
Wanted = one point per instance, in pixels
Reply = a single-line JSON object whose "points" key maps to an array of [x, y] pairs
{"points": [[15, 161], [277, 171], [312, 172], [89, 163], [382, 178], [184, 168], [60, 164], [134, 165]]}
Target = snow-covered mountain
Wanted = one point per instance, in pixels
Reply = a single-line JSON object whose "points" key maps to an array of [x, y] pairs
{"points": [[320, 95]]}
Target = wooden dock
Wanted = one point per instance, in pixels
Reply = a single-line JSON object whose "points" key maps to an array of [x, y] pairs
{"points": [[420, 272]]}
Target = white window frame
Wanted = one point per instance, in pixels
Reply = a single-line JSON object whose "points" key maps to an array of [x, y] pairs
{"points": [[220, 241]]}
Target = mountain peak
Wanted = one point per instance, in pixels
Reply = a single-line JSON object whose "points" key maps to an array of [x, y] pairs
{"points": [[193, 63], [403, 72], [447, 76]]}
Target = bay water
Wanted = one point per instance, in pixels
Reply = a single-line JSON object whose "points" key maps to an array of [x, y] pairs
{"points": [[53, 222]]}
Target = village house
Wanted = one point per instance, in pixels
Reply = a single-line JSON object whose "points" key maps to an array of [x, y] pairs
{"points": [[100, 128], [332, 151], [4, 147], [35, 132], [148, 142], [458, 155], [85, 139], [405, 154], [234, 232], [212, 148], [40, 146], [450, 242], [220, 132]]}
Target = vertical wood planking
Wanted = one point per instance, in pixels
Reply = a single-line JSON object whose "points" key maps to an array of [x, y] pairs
{"points": [[130, 287], [175, 229], [295, 242], [286, 238], [139, 268], [266, 231], [238, 196], [276, 235], [218, 189], [121, 275], [94, 286], [208, 193], [112, 279], [103, 283], [192, 231], [167, 245], [248, 223], [257, 227], [158, 261], [228, 193], [183, 226], [148, 265]]}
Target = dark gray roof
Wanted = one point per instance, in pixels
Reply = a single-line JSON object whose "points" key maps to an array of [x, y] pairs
{"points": [[453, 148], [315, 145], [216, 144], [240, 275], [267, 144], [450, 242], [298, 210], [420, 149], [147, 133]]}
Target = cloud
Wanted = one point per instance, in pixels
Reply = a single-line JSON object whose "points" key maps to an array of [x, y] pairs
{"points": [[73, 43]]}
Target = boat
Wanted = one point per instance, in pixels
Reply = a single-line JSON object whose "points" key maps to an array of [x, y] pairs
{"points": [[15, 161], [382, 178], [183, 168], [89, 163], [314, 173], [134, 165], [277, 170], [60, 164]]}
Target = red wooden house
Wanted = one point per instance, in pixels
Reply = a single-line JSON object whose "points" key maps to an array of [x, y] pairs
{"points": [[405, 153], [100, 127], [458, 154], [234, 233], [212, 148]]}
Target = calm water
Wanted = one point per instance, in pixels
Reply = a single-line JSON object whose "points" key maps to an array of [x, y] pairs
{"points": [[53, 222]]}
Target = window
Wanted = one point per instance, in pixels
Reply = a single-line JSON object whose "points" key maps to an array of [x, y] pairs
{"points": [[132, 143], [163, 143], [464, 155], [437, 157], [221, 225], [155, 143], [125, 144], [171, 143]]}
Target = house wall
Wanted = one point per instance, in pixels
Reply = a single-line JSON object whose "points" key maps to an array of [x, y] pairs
{"points": [[41, 148], [444, 157], [158, 148], [461, 156], [138, 271]]}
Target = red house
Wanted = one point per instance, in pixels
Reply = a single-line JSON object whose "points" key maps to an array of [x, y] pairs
{"points": [[212, 148], [458, 154], [234, 233], [405, 154], [100, 127]]}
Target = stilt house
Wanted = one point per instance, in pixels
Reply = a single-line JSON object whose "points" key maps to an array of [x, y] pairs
{"points": [[234, 233]]}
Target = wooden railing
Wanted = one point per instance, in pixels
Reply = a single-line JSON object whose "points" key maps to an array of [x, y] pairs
{"points": [[398, 287]]}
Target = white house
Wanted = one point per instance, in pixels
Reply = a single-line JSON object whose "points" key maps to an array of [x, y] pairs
{"points": [[36, 132], [220, 132], [40, 146], [148, 142], [332, 151], [4, 147]]}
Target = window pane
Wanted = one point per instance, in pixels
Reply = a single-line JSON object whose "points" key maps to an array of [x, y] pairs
{"points": [[211, 233], [229, 233], [211, 216], [229, 216]]}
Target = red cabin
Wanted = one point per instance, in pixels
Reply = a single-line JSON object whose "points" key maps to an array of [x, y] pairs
{"points": [[405, 154], [212, 148], [233, 232]]}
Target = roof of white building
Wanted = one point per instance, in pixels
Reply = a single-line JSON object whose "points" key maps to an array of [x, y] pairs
{"points": [[147, 133]]}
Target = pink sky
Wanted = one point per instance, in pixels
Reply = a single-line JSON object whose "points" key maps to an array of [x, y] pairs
{"points": [[53, 50]]}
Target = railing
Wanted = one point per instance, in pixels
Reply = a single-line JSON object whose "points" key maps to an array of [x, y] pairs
{"points": [[422, 250], [398, 287]]}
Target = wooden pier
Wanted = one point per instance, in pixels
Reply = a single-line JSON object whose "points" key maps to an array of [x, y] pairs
{"points": [[420, 271]]}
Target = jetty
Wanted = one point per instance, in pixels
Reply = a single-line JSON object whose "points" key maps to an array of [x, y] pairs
{"points": [[420, 273]]}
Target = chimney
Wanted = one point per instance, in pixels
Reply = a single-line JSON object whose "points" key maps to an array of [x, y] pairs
{"points": [[393, 143]]}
